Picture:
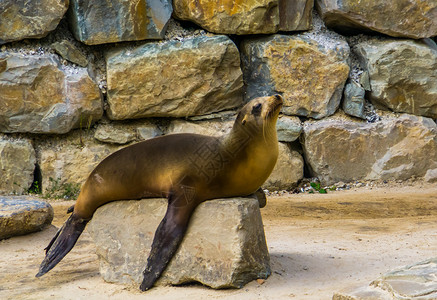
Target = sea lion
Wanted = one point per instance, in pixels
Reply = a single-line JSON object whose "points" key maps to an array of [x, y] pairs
{"points": [[187, 169]]}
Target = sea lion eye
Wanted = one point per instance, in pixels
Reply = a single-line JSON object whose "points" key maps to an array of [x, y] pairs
{"points": [[256, 110]]}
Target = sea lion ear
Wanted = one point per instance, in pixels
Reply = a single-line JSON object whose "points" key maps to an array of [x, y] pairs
{"points": [[243, 121]]}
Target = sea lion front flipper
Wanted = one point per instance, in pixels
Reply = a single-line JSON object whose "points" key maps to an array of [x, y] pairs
{"points": [[261, 197], [167, 238]]}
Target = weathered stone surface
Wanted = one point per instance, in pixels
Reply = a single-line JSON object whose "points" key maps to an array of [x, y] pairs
{"points": [[212, 127], [417, 281], [295, 15], [403, 75], [230, 16], [68, 163], [115, 134], [342, 149], [37, 95], [288, 128], [17, 163], [288, 170], [401, 18], [68, 51], [29, 19], [353, 100], [224, 245], [195, 76], [100, 22], [21, 215], [309, 74]]}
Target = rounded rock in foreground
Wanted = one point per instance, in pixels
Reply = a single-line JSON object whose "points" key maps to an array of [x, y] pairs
{"points": [[20, 215]]}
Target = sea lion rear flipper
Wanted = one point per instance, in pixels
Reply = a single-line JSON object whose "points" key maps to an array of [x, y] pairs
{"points": [[62, 243], [167, 239]]}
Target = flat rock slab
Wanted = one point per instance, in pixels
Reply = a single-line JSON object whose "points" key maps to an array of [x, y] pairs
{"points": [[224, 245], [20, 215], [417, 281]]}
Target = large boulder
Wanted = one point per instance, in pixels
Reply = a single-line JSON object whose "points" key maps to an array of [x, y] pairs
{"points": [[39, 95], [403, 75], [99, 22], [224, 245], [400, 18], [246, 17], [17, 164], [344, 149], [309, 71], [195, 76], [29, 19], [22, 215]]}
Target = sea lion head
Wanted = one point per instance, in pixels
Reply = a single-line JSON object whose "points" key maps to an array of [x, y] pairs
{"points": [[260, 114]]}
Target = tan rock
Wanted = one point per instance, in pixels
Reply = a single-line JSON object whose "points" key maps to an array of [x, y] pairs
{"points": [[231, 16], [174, 79], [224, 245], [401, 18], [213, 128], [65, 163], [29, 19], [397, 147], [17, 164], [309, 74], [288, 170], [39, 96]]}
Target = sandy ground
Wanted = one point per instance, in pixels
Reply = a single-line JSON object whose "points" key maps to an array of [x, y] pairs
{"points": [[319, 244]]}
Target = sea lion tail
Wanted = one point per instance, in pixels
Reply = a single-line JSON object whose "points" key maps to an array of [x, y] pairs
{"points": [[63, 241]]}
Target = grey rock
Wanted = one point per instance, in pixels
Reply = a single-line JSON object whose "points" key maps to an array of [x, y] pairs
{"points": [[195, 76], [29, 19], [70, 52], [295, 15], [148, 131], [416, 281], [38, 95], [401, 18], [100, 22], [403, 75], [21, 215], [288, 170], [431, 176], [224, 245], [297, 67], [353, 101], [395, 148], [17, 164], [288, 128]]}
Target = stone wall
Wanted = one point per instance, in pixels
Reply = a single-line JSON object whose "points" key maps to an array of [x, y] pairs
{"points": [[80, 81]]}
